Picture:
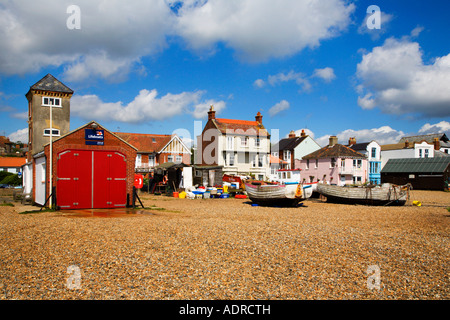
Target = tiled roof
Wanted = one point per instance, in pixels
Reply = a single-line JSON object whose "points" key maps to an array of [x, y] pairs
{"points": [[145, 143], [417, 165], [288, 143], [50, 83], [359, 146], [427, 137], [396, 146], [12, 162], [336, 151], [248, 128], [4, 140]]}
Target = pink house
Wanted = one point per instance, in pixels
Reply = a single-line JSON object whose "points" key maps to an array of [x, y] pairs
{"points": [[335, 164]]}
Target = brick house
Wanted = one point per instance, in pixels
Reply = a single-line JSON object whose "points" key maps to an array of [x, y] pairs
{"points": [[156, 149]]}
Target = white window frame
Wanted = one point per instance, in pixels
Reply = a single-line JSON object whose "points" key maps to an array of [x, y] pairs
{"points": [[57, 134], [231, 160], [286, 155], [230, 143], [257, 142], [138, 160], [260, 159], [178, 159], [169, 157], [51, 99], [244, 141]]}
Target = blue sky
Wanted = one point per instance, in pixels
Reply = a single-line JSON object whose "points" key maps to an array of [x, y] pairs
{"points": [[156, 66]]}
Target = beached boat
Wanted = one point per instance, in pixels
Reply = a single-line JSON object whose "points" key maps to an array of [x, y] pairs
{"points": [[274, 194], [385, 194], [285, 191]]}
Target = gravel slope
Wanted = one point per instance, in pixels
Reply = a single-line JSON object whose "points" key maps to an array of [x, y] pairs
{"points": [[228, 249]]}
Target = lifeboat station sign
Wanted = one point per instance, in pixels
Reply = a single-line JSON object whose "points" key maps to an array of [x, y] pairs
{"points": [[94, 137]]}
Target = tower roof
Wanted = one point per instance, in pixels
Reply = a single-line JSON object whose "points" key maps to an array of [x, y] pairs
{"points": [[50, 83]]}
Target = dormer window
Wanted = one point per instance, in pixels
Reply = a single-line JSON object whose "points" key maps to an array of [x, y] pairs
{"points": [[50, 101], [55, 132]]}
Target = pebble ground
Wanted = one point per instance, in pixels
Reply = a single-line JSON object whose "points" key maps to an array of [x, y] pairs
{"points": [[228, 249]]}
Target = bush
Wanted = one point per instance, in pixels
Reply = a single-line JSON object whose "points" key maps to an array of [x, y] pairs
{"points": [[10, 179]]}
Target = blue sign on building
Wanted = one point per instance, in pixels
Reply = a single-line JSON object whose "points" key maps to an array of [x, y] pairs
{"points": [[92, 134]]}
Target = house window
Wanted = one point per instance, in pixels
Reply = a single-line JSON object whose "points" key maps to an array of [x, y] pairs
{"points": [[257, 142], [244, 141], [198, 173], [55, 132], [317, 164], [179, 159], [307, 164], [286, 155], [420, 153], [170, 158], [374, 152], [357, 180], [151, 160], [357, 163], [275, 154], [260, 161], [230, 143], [138, 160], [153, 140], [54, 102], [333, 162], [231, 162], [426, 153], [343, 163]]}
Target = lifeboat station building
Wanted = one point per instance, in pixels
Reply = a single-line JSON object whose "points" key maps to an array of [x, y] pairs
{"points": [[89, 167]]}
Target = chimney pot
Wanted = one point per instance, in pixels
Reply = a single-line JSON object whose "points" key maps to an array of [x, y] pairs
{"points": [[292, 134], [351, 141], [211, 113], [303, 134], [437, 144], [333, 141], [258, 117]]}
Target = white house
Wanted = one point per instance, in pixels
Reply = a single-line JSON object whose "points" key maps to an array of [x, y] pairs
{"points": [[242, 147], [372, 150]]}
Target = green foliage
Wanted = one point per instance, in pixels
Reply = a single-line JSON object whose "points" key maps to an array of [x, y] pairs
{"points": [[10, 179]]}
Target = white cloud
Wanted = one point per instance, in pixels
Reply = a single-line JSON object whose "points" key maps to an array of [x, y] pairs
{"points": [[395, 79], [19, 135], [279, 107], [417, 31], [146, 106], [440, 127], [115, 35], [383, 135], [125, 31], [262, 29], [201, 110], [259, 83], [326, 74]]}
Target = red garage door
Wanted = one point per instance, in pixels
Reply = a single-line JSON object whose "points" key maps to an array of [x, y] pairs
{"points": [[91, 179]]}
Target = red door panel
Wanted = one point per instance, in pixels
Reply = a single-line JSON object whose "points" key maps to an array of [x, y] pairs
{"points": [[91, 179]]}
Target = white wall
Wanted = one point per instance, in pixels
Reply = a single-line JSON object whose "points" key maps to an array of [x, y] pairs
{"points": [[40, 180]]}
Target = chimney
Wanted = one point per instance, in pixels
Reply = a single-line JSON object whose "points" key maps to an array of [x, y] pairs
{"points": [[352, 141], [303, 134], [406, 144], [333, 141], [437, 144], [211, 113], [258, 117], [291, 134]]}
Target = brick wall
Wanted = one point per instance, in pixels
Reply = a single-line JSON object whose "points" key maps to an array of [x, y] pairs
{"points": [[76, 141]]}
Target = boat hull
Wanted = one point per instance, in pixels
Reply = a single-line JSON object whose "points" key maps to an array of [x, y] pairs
{"points": [[386, 194], [282, 195]]}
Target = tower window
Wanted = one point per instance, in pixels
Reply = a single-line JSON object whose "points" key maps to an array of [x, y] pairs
{"points": [[54, 102], [55, 132]]}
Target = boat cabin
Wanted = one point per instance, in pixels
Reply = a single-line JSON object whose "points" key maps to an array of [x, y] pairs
{"points": [[288, 176]]}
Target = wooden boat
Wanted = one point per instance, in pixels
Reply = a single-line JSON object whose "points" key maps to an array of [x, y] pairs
{"points": [[274, 194], [386, 194]]}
